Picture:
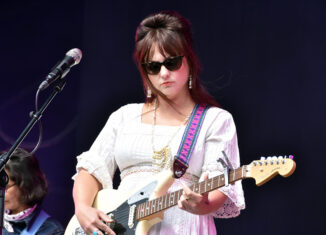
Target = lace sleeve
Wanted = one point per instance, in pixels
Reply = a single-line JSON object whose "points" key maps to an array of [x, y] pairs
{"points": [[99, 159], [221, 136]]}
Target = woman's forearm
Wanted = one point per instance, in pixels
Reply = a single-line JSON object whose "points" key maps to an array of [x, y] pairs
{"points": [[85, 189], [215, 200]]}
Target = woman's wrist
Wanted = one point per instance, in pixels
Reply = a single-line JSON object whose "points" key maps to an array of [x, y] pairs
{"points": [[81, 206]]}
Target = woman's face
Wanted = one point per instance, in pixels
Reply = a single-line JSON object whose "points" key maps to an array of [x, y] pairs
{"points": [[173, 84], [12, 198]]}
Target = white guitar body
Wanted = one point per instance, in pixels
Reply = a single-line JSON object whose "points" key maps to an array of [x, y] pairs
{"points": [[108, 200]]}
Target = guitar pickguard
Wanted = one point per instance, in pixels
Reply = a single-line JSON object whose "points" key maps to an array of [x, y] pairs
{"points": [[144, 193]]}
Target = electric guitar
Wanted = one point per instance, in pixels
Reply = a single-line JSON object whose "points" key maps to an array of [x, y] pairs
{"points": [[135, 212]]}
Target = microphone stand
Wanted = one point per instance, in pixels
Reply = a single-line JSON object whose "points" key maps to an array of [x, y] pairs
{"points": [[5, 157]]}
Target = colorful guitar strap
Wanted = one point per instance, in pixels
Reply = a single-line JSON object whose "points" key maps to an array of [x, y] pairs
{"points": [[188, 142]]}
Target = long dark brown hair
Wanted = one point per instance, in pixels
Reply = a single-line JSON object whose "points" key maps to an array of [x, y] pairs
{"points": [[172, 33]]}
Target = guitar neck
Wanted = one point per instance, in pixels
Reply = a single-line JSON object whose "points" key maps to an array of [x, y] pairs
{"points": [[171, 199]]}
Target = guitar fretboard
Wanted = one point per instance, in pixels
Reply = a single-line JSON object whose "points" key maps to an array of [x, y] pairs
{"points": [[171, 199]]}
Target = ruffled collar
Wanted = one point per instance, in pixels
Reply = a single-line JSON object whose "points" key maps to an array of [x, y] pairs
{"points": [[19, 216], [16, 217]]}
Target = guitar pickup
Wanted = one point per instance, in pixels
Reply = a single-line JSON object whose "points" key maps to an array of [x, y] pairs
{"points": [[131, 219]]}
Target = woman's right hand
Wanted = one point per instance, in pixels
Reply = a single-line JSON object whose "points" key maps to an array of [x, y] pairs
{"points": [[91, 220]]}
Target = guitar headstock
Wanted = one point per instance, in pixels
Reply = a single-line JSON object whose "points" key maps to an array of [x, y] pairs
{"points": [[265, 169]]}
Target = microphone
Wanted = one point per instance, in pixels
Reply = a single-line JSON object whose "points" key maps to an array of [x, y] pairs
{"points": [[72, 58]]}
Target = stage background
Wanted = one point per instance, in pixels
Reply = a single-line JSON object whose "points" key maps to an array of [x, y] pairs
{"points": [[264, 61]]}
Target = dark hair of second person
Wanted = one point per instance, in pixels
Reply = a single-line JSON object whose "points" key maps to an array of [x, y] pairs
{"points": [[24, 170]]}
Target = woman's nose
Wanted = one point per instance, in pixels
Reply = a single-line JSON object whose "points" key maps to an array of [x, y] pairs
{"points": [[164, 73]]}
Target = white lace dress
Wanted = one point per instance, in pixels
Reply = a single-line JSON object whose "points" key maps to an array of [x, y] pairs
{"points": [[126, 142]]}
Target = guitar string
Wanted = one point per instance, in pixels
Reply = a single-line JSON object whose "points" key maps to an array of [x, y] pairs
{"points": [[179, 192], [201, 186], [123, 215], [158, 201]]}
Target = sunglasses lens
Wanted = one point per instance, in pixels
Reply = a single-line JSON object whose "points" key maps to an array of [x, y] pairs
{"points": [[173, 64], [153, 68]]}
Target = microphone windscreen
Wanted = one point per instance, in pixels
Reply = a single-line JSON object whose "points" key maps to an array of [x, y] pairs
{"points": [[76, 54]]}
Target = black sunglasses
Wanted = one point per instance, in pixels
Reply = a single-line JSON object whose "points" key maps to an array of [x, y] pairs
{"points": [[171, 63]]}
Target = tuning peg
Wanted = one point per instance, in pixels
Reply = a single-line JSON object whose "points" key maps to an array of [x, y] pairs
{"points": [[291, 157], [262, 158], [269, 158], [278, 159], [274, 159]]}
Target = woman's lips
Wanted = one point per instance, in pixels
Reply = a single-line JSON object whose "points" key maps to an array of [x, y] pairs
{"points": [[167, 83]]}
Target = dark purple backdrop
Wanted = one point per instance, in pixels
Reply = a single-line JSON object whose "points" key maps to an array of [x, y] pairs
{"points": [[264, 61]]}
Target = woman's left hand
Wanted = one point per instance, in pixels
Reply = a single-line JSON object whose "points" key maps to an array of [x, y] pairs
{"points": [[193, 202]]}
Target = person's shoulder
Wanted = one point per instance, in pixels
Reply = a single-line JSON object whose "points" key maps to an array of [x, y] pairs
{"points": [[51, 226], [220, 113], [219, 120], [131, 108], [127, 112]]}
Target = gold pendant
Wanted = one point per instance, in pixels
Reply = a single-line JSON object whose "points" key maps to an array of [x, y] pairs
{"points": [[162, 158]]}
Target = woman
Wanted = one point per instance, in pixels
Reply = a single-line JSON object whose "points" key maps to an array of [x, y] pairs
{"points": [[25, 192], [141, 139]]}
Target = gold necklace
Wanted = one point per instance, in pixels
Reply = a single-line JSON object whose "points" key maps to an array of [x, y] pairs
{"points": [[162, 158]]}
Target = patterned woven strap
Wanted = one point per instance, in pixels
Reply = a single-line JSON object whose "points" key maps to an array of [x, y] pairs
{"points": [[188, 141]]}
